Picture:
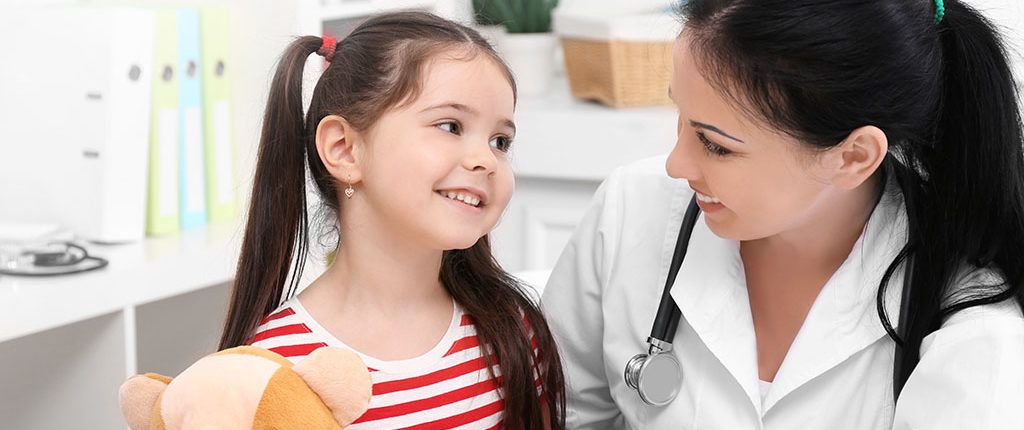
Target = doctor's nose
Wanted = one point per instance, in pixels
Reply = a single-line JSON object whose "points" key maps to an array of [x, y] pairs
{"points": [[681, 163]]}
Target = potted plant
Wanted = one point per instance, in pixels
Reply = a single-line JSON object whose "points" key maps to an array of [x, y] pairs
{"points": [[487, 23], [529, 45]]}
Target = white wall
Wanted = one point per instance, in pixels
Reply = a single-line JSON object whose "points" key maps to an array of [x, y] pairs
{"points": [[1008, 14]]}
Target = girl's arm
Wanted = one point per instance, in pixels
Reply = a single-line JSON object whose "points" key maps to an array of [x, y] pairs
{"points": [[971, 373]]}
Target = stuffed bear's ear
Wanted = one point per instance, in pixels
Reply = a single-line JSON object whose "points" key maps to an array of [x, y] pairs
{"points": [[341, 380], [138, 397]]}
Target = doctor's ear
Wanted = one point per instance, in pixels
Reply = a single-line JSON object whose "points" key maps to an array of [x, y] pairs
{"points": [[340, 148], [858, 156]]}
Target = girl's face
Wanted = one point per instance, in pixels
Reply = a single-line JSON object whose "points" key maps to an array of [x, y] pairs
{"points": [[437, 169], [752, 182]]}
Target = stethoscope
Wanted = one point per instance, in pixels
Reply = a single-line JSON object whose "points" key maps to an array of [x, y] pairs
{"points": [[657, 375], [58, 258]]}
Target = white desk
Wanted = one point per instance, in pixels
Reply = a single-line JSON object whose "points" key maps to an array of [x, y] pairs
{"points": [[67, 342]]}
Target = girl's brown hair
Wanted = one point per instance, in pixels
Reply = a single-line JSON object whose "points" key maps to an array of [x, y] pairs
{"points": [[377, 67]]}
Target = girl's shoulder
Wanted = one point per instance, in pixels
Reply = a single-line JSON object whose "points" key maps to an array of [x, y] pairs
{"points": [[288, 311], [288, 331]]}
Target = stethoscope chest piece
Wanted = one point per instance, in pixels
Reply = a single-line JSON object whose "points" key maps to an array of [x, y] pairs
{"points": [[657, 376]]}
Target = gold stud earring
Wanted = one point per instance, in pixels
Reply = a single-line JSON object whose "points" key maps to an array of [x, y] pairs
{"points": [[349, 191]]}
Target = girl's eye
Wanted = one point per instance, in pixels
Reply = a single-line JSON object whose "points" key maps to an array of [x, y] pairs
{"points": [[501, 143], [712, 147], [452, 127]]}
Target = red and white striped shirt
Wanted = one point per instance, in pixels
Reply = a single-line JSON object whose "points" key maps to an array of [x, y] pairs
{"points": [[448, 387]]}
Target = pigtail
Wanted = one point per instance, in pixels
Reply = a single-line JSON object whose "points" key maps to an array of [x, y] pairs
{"points": [[972, 210], [277, 225], [505, 317]]}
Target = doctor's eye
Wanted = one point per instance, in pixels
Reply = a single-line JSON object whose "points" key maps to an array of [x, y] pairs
{"points": [[712, 147], [502, 143], [450, 126]]}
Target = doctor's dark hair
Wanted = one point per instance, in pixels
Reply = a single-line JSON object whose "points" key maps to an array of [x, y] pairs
{"points": [[378, 67], [944, 95]]}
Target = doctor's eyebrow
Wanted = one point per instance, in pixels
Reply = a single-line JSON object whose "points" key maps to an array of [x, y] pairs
{"points": [[714, 129]]}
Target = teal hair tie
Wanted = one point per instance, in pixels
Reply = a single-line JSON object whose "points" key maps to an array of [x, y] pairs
{"points": [[940, 11]]}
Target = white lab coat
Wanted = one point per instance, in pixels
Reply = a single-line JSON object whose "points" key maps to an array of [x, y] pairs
{"points": [[603, 294]]}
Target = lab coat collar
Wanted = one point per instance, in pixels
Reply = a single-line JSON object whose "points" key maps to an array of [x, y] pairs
{"points": [[712, 295]]}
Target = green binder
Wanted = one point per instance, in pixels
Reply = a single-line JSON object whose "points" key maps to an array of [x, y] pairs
{"points": [[162, 209], [217, 123]]}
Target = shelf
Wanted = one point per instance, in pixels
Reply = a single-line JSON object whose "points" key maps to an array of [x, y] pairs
{"points": [[138, 273], [344, 9], [556, 133]]}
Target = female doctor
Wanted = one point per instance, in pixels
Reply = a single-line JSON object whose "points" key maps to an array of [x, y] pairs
{"points": [[857, 263]]}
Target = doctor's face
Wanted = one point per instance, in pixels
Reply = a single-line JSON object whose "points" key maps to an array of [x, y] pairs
{"points": [[751, 181]]}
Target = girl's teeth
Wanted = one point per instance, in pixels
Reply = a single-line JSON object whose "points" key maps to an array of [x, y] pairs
{"points": [[465, 198]]}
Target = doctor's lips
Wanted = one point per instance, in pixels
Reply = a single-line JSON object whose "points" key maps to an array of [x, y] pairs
{"points": [[470, 197], [707, 203]]}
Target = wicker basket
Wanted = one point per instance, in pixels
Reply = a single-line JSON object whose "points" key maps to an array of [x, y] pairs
{"points": [[619, 73]]}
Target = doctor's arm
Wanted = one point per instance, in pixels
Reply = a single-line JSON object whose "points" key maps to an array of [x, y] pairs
{"points": [[971, 374], [572, 303]]}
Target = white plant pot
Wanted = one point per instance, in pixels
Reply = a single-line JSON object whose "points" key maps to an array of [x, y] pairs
{"points": [[531, 56], [492, 33]]}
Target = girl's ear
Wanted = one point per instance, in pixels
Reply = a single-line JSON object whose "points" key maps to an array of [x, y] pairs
{"points": [[339, 147], [858, 156]]}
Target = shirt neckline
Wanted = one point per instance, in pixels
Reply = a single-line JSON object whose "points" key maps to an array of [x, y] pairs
{"points": [[408, 365]]}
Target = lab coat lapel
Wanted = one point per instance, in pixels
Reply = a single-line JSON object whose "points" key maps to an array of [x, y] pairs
{"points": [[711, 292], [844, 318]]}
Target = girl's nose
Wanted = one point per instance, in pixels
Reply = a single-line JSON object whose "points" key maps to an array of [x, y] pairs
{"points": [[480, 157]]}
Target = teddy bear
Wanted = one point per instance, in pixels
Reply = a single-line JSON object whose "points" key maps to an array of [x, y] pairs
{"points": [[252, 388]]}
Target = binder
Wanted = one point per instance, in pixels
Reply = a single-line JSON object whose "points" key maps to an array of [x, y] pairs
{"points": [[217, 123], [74, 121], [191, 181], [162, 217]]}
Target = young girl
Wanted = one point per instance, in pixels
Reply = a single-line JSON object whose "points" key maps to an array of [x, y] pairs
{"points": [[407, 139], [848, 156]]}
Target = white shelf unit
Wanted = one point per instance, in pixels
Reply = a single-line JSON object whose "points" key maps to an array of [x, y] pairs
{"points": [[343, 9], [564, 148], [337, 17], [67, 342]]}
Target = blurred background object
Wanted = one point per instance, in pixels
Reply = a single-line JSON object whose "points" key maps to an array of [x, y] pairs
{"points": [[622, 59], [526, 44]]}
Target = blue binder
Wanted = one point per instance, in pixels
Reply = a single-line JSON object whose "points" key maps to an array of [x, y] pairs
{"points": [[190, 101]]}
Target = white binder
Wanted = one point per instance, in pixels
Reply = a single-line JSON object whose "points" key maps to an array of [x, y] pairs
{"points": [[74, 118]]}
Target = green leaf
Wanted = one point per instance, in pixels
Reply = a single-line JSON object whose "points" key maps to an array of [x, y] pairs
{"points": [[519, 16], [485, 12]]}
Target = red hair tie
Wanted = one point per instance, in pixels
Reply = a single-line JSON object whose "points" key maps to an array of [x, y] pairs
{"points": [[327, 48]]}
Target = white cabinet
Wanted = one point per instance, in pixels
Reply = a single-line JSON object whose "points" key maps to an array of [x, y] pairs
{"points": [[563, 149], [67, 342]]}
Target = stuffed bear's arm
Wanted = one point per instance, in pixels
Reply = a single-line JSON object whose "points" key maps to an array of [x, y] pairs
{"points": [[138, 395]]}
